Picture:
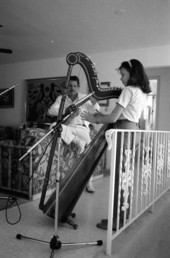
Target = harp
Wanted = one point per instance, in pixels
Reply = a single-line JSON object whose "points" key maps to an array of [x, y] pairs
{"points": [[82, 170], [92, 78]]}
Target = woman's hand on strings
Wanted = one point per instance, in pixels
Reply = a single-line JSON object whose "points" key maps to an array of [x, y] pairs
{"points": [[88, 117]]}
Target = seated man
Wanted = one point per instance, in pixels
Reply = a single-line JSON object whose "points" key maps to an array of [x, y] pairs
{"points": [[75, 129]]}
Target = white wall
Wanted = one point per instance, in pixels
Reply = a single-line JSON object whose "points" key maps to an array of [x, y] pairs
{"points": [[105, 63]]}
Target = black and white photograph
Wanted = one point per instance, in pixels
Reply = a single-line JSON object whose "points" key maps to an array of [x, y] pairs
{"points": [[84, 128]]}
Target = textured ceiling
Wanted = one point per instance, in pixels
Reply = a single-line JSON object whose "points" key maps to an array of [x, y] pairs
{"points": [[42, 29]]}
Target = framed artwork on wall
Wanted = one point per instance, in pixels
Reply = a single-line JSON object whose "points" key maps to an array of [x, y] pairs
{"points": [[41, 94], [6, 99]]}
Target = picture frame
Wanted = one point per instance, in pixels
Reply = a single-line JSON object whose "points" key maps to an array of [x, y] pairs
{"points": [[7, 99], [41, 94], [104, 102]]}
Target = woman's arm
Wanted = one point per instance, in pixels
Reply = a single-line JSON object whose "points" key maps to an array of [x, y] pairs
{"points": [[100, 118]]}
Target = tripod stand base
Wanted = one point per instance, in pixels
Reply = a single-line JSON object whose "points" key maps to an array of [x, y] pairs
{"points": [[56, 244]]}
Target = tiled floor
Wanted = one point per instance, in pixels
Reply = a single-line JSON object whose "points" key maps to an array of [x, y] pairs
{"points": [[34, 224], [150, 233]]}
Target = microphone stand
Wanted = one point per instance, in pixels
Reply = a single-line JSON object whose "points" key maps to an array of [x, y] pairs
{"points": [[55, 243], [8, 89]]}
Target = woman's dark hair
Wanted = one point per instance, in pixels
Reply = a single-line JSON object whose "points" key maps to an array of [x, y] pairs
{"points": [[138, 76], [75, 78]]}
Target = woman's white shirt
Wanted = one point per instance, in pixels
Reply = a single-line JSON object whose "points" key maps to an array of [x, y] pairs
{"points": [[133, 100]]}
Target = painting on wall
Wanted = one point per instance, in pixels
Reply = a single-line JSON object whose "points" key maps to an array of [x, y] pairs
{"points": [[41, 94], [6, 98]]}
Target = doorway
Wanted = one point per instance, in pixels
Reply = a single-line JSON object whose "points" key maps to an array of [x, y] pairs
{"points": [[148, 119]]}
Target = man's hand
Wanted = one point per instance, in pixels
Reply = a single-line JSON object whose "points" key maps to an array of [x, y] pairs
{"points": [[71, 109], [52, 125]]}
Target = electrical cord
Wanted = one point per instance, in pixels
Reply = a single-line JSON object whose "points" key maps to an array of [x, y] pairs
{"points": [[10, 201]]}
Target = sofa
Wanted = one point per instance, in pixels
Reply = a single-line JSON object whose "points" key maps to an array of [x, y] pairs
{"points": [[26, 176]]}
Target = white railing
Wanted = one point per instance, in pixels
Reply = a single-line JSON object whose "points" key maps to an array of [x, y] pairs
{"points": [[140, 175]]}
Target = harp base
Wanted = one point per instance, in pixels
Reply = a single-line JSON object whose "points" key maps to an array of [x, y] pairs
{"points": [[69, 221]]}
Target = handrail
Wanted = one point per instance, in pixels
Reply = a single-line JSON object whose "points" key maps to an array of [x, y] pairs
{"points": [[144, 176]]}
